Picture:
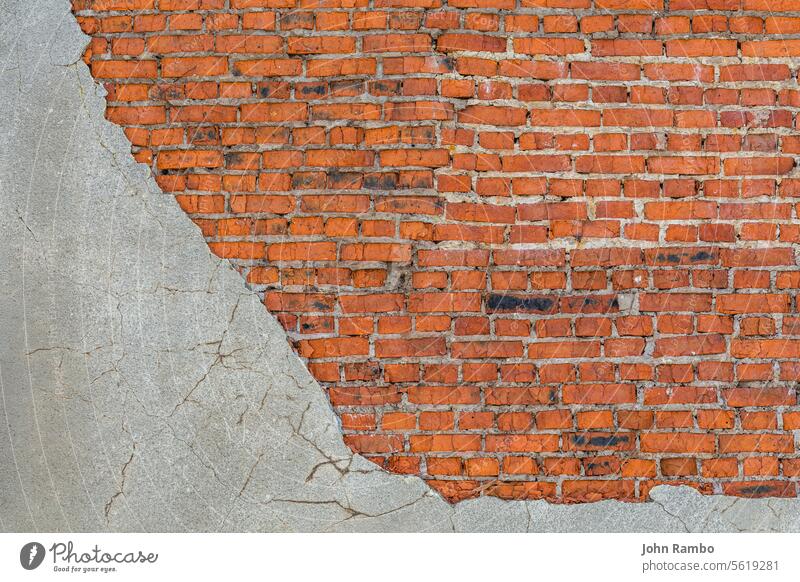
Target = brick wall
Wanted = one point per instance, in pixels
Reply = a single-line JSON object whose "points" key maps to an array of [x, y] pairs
{"points": [[531, 248]]}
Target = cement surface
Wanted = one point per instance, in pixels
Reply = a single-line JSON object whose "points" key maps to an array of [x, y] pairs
{"points": [[144, 388]]}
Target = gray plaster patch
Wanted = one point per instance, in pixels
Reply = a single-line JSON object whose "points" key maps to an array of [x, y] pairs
{"points": [[144, 388]]}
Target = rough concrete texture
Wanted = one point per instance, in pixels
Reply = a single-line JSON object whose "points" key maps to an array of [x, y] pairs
{"points": [[144, 388]]}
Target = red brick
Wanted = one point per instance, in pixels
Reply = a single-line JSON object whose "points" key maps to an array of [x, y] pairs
{"points": [[493, 274]]}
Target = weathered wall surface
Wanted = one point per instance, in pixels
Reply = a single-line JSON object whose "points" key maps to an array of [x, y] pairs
{"points": [[144, 387], [531, 249]]}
